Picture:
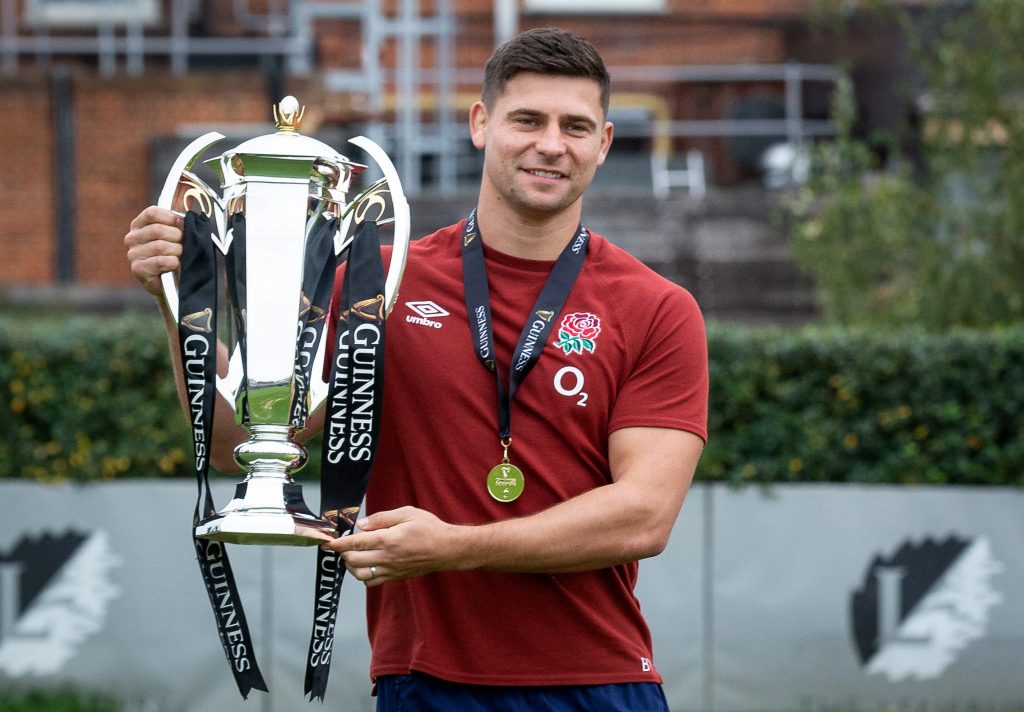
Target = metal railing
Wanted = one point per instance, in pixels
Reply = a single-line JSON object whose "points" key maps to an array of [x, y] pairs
{"points": [[285, 32], [793, 76], [794, 129], [130, 41]]}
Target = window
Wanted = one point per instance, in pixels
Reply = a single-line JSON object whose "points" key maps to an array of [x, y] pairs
{"points": [[595, 6], [90, 13]]}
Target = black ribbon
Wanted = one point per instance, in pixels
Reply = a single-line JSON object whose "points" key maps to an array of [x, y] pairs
{"points": [[197, 337], [538, 326], [351, 428], [317, 284]]}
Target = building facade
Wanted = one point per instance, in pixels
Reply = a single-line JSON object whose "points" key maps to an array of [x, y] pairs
{"points": [[103, 100]]}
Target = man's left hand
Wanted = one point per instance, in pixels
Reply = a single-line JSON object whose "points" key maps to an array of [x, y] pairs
{"points": [[396, 544]]}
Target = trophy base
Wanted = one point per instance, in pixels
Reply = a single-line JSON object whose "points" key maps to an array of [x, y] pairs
{"points": [[267, 510], [279, 528]]}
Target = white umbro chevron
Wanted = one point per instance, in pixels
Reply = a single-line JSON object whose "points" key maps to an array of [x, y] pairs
{"points": [[426, 312]]}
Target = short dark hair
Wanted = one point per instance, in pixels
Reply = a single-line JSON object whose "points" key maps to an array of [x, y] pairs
{"points": [[547, 50]]}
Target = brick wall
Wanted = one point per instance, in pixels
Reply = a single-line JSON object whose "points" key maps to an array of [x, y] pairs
{"points": [[115, 122], [26, 186]]}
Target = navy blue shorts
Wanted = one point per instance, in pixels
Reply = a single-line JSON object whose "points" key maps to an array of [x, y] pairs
{"points": [[422, 693]]}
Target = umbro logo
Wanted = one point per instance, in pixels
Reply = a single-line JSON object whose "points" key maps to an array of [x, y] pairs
{"points": [[426, 312]]}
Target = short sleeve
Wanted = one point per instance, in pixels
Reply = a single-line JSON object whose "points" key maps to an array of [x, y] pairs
{"points": [[667, 385]]}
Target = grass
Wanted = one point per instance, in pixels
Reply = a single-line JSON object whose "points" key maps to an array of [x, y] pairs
{"points": [[57, 701]]}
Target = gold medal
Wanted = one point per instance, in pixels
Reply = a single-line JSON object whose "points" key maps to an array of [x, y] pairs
{"points": [[505, 482]]}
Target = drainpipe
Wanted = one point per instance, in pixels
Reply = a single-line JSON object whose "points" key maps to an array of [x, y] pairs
{"points": [[62, 102], [506, 20]]}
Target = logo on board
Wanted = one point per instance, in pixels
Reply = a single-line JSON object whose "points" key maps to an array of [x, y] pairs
{"points": [[920, 607], [54, 593]]}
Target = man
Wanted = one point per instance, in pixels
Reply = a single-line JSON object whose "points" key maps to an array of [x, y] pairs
{"points": [[521, 473]]}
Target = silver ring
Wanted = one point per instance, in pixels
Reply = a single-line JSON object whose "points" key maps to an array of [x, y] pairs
{"points": [[373, 572]]}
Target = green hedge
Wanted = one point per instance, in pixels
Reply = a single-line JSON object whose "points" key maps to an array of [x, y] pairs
{"points": [[840, 406], [89, 398]]}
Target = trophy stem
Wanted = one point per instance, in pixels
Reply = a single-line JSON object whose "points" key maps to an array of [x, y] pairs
{"points": [[268, 507], [270, 452]]}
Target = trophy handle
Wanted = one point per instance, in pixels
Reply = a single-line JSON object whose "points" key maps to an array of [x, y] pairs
{"points": [[183, 190], [355, 211], [173, 197], [400, 207]]}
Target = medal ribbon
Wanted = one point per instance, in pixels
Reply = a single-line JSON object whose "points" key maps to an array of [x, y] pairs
{"points": [[197, 337], [543, 315], [351, 427]]}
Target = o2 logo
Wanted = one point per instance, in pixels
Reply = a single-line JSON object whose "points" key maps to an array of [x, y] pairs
{"points": [[569, 382]]}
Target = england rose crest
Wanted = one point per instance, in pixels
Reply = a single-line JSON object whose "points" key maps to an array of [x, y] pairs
{"points": [[577, 332]]}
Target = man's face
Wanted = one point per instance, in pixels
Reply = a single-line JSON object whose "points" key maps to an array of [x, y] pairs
{"points": [[543, 140]]}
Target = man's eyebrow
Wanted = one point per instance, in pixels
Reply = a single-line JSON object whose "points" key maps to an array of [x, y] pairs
{"points": [[524, 111], [563, 118], [578, 119]]}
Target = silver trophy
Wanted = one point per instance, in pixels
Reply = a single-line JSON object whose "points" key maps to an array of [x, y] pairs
{"points": [[282, 183]]}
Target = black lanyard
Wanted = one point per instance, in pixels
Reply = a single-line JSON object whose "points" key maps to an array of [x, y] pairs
{"points": [[539, 324]]}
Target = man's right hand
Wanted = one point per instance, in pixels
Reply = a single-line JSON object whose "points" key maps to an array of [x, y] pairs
{"points": [[153, 243]]}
